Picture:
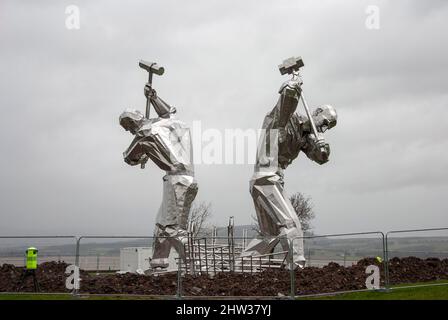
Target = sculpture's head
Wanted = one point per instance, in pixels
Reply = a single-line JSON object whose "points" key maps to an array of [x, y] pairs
{"points": [[131, 120], [325, 118]]}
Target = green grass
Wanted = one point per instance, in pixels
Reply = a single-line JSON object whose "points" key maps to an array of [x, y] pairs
{"points": [[400, 292], [31, 296], [49, 296]]}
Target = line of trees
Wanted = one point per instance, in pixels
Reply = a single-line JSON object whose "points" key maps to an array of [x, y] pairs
{"points": [[201, 213], [303, 208]]}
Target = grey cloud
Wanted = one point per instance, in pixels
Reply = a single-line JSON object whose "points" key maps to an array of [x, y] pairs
{"points": [[61, 93]]}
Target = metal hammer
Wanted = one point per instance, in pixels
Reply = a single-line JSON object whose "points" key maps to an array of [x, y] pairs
{"points": [[151, 67], [292, 66]]}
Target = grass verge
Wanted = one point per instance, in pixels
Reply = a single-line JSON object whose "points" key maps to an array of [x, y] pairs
{"points": [[437, 290]]}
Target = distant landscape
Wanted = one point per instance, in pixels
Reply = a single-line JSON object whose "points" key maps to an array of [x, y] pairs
{"points": [[346, 250]]}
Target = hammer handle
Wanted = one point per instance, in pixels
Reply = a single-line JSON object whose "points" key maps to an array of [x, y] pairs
{"points": [[307, 110], [148, 101], [148, 105]]}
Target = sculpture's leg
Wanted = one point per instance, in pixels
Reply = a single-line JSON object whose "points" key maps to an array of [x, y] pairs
{"points": [[276, 218], [179, 192], [161, 248], [268, 227]]}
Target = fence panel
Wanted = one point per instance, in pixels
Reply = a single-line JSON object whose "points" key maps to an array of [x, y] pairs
{"points": [[418, 256], [116, 264], [55, 253], [216, 267], [338, 262]]}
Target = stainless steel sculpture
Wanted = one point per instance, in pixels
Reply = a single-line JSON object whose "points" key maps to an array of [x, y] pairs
{"points": [[167, 142], [285, 133]]}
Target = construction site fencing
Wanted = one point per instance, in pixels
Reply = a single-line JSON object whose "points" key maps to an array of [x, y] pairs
{"points": [[343, 249], [425, 252], [54, 252], [214, 266]]}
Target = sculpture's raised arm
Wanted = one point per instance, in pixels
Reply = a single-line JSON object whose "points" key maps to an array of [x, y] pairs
{"points": [[163, 109], [287, 102]]}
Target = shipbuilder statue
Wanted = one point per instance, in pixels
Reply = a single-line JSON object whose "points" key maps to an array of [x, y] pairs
{"points": [[166, 141], [285, 134]]}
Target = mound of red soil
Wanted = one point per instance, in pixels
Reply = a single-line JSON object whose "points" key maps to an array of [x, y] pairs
{"points": [[130, 284], [273, 282], [51, 277], [412, 269]]}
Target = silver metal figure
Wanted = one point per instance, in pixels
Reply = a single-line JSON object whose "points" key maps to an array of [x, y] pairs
{"points": [[167, 142], [285, 134]]}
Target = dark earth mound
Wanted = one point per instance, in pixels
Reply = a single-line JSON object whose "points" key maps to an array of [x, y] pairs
{"points": [[273, 282]]}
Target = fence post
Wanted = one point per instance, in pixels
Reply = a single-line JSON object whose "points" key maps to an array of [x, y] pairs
{"points": [[386, 261], [214, 260], [179, 280], [97, 264], [292, 272], [75, 291], [199, 256], [309, 256], [206, 253], [251, 267]]}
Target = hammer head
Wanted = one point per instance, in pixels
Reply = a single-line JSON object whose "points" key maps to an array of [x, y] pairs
{"points": [[151, 67], [291, 64]]}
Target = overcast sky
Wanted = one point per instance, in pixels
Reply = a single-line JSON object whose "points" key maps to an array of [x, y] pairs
{"points": [[61, 92]]}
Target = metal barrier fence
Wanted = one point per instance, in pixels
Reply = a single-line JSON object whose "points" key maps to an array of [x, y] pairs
{"points": [[403, 232], [98, 237], [377, 235], [15, 253], [204, 257], [78, 245], [208, 257]]}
